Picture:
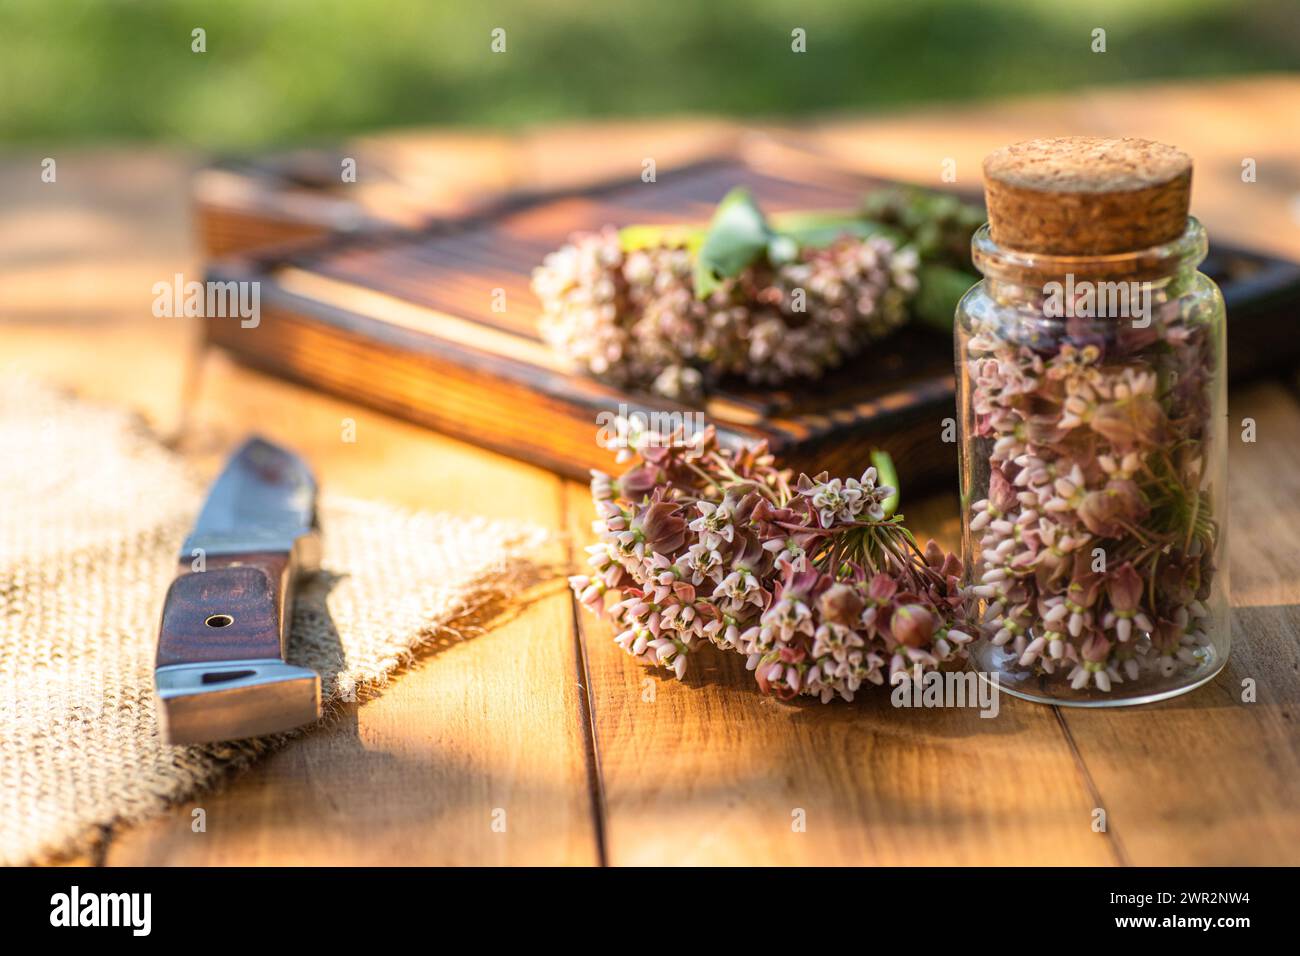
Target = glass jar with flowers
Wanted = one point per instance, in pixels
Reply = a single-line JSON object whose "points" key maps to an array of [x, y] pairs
{"points": [[1091, 383]]}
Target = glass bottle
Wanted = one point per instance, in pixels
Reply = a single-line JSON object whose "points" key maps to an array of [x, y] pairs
{"points": [[1092, 392]]}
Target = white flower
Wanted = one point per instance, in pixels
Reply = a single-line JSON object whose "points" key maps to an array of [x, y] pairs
{"points": [[787, 618], [789, 554], [737, 589], [839, 501], [714, 524], [835, 501], [702, 562]]}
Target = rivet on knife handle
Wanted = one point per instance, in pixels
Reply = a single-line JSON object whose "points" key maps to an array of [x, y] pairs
{"points": [[221, 672]]}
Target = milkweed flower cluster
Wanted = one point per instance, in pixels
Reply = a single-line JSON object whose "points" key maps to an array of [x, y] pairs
{"points": [[633, 318], [1096, 539], [811, 580]]}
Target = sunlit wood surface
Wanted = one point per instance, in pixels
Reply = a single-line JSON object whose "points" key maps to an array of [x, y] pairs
{"points": [[593, 758]]}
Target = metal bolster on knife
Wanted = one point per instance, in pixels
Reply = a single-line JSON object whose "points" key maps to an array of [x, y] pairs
{"points": [[221, 672]]}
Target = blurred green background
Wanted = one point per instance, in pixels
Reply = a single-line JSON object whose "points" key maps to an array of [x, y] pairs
{"points": [[281, 71]]}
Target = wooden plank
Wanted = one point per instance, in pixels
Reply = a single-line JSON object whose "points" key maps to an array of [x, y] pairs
{"points": [[707, 771], [1207, 779], [414, 776]]}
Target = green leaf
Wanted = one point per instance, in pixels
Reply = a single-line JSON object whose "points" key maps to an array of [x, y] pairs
{"points": [[939, 290], [886, 474], [937, 225], [822, 228], [632, 238], [782, 249], [738, 236]]}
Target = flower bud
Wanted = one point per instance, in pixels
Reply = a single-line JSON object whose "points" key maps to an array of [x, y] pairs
{"points": [[1134, 421], [1124, 587], [882, 587], [1095, 649], [842, 604], [1100, 512], [912, 625]]}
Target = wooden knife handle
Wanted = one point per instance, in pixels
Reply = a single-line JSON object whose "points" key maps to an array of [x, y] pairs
{"points": [[236, 609]]}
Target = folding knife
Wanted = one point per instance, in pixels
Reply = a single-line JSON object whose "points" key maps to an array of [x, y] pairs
{"points": [[221, 672]]}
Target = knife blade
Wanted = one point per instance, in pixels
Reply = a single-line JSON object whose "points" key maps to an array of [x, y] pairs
{"points": [[221, 672]]}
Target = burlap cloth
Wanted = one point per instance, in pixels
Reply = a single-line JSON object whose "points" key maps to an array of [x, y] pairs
{"points": [[94, 510]]}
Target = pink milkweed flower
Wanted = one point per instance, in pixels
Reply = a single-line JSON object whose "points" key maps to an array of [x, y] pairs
{"points": [[912, 625], [602, 486], [1124, 588], [841, 604], [590, 594], [635, 483], [661, 526], [1137, 420], [882, 588], [714, 525]]}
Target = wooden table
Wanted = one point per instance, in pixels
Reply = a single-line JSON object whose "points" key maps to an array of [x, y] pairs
{"points": [[597, 760]]}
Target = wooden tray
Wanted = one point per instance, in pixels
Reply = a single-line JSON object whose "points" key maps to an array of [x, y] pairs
{"points": [[402, 321], [283, 200], [414, 179]]}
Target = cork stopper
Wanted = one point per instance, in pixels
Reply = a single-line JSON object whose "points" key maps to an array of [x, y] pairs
{"points": [[1083, 195]]}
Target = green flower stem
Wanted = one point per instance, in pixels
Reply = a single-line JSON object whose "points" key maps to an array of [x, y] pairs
{"points": [[886, 474]]}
